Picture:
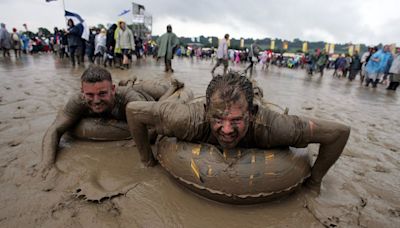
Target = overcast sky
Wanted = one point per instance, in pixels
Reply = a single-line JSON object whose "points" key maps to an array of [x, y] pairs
{"points": [[340, 21]]}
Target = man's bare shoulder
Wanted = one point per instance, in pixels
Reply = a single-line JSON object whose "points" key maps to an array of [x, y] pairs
{"points": [[265, 115], [184, 121], [75, 105]]}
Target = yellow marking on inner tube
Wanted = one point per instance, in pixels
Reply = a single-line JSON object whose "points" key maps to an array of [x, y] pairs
{"points": [[196, 149], [253, 159], [251, 179], [224, 153], [270, 174], [195, 169], [209, 171], [269, 157]]}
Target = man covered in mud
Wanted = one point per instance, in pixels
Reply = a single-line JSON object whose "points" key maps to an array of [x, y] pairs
{"points": [[228, 118], [99, 98]]}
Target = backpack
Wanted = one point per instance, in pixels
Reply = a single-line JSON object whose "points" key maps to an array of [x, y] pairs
{"points": [[15, 37]]}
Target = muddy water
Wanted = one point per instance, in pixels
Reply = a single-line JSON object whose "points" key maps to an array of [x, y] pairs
{"points": [[362, 189]]}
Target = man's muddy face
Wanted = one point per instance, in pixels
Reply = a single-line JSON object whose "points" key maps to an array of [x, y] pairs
{"points": [[99, 95], [229, 121]]}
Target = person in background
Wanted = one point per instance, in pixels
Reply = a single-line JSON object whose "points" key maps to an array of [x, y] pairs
{"points": [[90, 44], [110, 45], [100, 46], [74, 42], [125, 42], [321, 62], [167, 43], [355, 66], [222, 54], [377, 65], [395, 72], [252, 56], [5, 40], [16, 43]]}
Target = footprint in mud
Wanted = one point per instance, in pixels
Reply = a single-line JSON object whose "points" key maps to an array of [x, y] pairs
{"points": [[18, 117], [360, 173], [93, 191], [381, 169], [14, 143], [395, 212], [371, 137], [391, 147]]}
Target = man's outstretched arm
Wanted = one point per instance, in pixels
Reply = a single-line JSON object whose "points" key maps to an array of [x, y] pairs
{"points": [[332, 138], [51, 139], [287, 130]]}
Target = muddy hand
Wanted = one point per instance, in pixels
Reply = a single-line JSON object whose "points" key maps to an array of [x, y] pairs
{"points": [[151, 162], [46, 169], [314, 187], [177, 84]]}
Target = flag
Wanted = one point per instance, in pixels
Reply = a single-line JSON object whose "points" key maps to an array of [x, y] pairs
{"points": [[272, 46], [123, 12], [305, 47], [78, 21]]}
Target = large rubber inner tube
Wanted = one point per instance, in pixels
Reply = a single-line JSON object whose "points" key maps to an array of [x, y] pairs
{"points": [[237, 176], [101, 129]]}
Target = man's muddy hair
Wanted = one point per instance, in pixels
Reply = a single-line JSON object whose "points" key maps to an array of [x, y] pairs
{"points": [[96, 74], [230, 87]]}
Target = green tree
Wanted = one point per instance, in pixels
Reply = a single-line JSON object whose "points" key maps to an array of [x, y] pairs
{"points": [[101, 26], [44, 32]]}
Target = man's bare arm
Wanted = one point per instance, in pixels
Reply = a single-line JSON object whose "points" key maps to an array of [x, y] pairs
{"points": [[51, 139], [168, 118], [332, 138], [139, 116]]}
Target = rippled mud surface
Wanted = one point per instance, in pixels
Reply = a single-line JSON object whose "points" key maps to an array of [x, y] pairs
{"points": [[103, 184]]}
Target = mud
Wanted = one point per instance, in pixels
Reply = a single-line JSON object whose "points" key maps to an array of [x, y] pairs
{"points": [[103, 184]]}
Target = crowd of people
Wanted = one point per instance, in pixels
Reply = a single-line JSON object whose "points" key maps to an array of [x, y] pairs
{"points": [[116, 45], [374, 66]]}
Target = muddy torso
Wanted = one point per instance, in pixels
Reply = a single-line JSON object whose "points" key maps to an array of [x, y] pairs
{"points": [[268, 129]]}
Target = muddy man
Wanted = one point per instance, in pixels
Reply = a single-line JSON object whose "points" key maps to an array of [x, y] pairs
{"points": [[229, 118], [99, 98]]}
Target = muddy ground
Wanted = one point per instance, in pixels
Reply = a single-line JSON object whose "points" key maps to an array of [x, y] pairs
{"points": [[103, 184]]}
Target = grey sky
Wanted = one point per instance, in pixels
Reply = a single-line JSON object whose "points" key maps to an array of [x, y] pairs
{"points": [[340, 21]]}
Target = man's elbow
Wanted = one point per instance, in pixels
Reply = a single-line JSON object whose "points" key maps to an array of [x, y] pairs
{"points": [[343, 131], [137, 110], [132, 108]]}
